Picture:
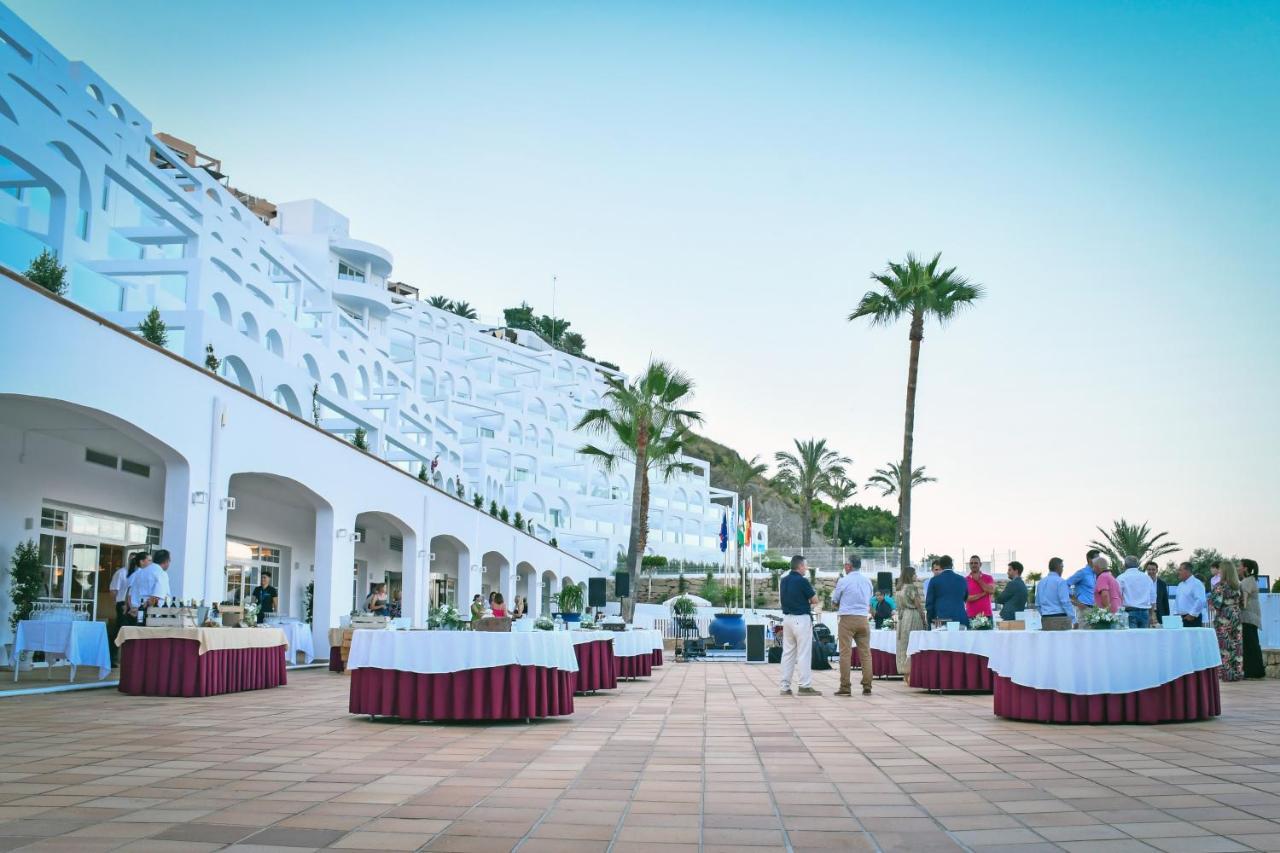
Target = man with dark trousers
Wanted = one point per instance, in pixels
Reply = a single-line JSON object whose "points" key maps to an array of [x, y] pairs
{"points": [[947, 594]]}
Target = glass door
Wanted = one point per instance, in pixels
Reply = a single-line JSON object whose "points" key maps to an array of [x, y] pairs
{"points": [[83, 578]]}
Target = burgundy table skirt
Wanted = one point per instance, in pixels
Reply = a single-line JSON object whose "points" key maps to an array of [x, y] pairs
{"points": [[883, 664], [657, 657], [938, 670], [511, 692], [597, 667], [335, 659], [174, 667], [1191, 697], [635, 666]]}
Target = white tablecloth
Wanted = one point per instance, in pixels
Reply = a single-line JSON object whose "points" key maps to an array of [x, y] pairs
{"points": [[298, 636], [654, 635], [1092, 662], [454, 651], [884, 640], [82, 643], [1269, 633], [580, 637], [966, 642], [628, 644]]}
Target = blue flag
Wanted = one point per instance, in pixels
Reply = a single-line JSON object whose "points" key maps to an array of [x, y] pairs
{"points": [[724, 532]]}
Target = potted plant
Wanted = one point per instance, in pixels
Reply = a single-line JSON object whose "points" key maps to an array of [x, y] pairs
{"points": [[445, 618], [728, 628], [570, 601], [25, 580], [542, 623]]}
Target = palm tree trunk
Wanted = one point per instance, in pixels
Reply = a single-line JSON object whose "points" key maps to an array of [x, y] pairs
{"points": [[836, 531], [908, 437], [639, 516], [806, 519]]}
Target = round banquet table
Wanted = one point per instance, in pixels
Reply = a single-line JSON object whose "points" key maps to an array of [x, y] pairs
{"points": [[1115, 676], [634, 652], [597, 667], [884, 653], [462, 675], [953, 660]]}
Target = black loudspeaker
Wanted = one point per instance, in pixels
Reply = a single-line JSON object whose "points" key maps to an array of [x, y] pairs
{"points": [[755, 644], [595, 592], [884, 581], [622, 584]]}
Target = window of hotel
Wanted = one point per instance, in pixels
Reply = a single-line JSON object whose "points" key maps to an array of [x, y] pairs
{"points": [[346, 272], [557, 518], [522, 474], [53, 519]]}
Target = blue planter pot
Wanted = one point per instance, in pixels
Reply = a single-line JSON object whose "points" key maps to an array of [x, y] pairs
{"points": [[729, 629], [571, 617]]}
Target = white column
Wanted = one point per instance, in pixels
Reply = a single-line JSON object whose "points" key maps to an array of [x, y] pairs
{"points": [[411, 578], [182, 533], [335, 558], [535, 594]]}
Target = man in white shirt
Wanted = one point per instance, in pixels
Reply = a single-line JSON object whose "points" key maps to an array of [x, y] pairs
{"points": [[1191, 598], [853, 596], [150, 585], [1138, 592]]}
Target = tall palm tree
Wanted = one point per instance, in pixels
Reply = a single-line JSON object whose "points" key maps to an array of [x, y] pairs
{"points": [[444, 303], [808, 473], [1132, 540], [889, 478], [741, 472], [648, 425], [840, 489], [464, 310], [921, 292]]}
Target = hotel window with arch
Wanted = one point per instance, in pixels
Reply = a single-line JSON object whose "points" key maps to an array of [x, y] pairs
{"points": [[346, 272]]}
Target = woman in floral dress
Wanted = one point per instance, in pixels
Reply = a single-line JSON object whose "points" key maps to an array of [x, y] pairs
{"points": [[1225, 601], [910, 617]]}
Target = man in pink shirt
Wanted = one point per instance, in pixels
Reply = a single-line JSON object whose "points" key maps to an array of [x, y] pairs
{"points": [[1106, 589], [981, 585]]}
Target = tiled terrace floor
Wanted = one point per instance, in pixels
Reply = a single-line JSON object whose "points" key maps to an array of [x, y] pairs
{"points": [[700, 757]]}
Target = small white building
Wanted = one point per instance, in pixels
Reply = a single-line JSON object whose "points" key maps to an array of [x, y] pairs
{"points": [[108, 446]]}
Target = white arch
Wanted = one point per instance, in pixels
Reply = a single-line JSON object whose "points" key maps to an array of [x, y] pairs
{"points": [[284, 397], [274, 343], [234, 368], [248, 326]]}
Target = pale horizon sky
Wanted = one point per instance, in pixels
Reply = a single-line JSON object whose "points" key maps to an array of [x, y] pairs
{"points": [[713, 186]]}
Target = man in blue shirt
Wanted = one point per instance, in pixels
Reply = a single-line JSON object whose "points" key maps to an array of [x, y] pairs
{"points": [[947, 592], [1081, 585], [798, 599], [1053, 599]]}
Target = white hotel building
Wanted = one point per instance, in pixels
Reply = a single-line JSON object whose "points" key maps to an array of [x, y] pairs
{"points": [[109, 445]]}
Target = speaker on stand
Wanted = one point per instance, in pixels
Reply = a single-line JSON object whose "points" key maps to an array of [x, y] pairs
{"points": [[595, 592], [622, 584], [884, 582], [755, 644]]}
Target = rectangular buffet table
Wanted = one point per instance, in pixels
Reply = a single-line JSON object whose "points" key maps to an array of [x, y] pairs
{"points": [[884, 653], [1111, 676], [954, 660], [597, 667], [200, 661], [462, 675]]}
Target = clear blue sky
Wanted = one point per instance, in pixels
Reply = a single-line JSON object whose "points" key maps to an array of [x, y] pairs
{"points": [[713, 185]]}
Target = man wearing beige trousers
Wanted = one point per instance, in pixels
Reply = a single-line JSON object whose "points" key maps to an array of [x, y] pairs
{"points": [[852, 596]]}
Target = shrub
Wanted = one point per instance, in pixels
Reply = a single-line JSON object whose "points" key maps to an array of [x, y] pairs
{"points": [[48, 273], [25, 580], [493, 508], [360, 439], [503, 514], [518, 520], [153, 330], [477, 500]]}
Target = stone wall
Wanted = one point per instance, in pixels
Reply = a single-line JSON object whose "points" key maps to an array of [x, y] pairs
{"points": [[668, 586], [1271, 657]]}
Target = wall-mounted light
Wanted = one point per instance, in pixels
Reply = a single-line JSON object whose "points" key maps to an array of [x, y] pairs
{"points": [[199, 498], [343, 533], [227, 503]]}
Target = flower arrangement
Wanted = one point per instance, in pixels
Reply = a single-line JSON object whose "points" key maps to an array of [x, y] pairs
{"points": [[445, 618], [587, 624], [1103, 619], [249, 617], [542, 623], [980, 623]]}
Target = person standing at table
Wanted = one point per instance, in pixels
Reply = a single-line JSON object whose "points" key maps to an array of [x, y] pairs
{"points": [[1081, 585], [1190, 598], [120, 586], [933, 573], [150, 583], [376, 603], [1160, 608], [852, 596], [945, 599], [265, 595], [477, 607], [798, 600], [882, 610], [980, 586], [1106, 590], [1225, 600], [1013, 597], [1139, 593], [1053, 600], [499, 607], [1251, 620], [910, 617]]}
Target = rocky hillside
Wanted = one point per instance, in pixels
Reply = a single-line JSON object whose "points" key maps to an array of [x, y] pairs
{"points": [[768, 504]]}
